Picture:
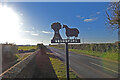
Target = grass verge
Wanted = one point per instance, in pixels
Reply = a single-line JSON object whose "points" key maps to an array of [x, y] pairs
{"points": [[103, 55], [60, 68], [22, 56]]}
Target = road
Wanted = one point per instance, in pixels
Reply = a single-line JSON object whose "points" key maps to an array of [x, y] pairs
{"points": [[87, 66]]}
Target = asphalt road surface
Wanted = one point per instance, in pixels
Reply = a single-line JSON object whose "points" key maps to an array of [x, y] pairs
{"points": [[87, 66]]}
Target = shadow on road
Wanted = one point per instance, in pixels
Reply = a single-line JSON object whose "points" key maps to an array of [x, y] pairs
{"points": [[44, 65], [39, 67]]}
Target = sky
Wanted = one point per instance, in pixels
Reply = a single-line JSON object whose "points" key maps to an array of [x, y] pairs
{"points": [[35, 18]]}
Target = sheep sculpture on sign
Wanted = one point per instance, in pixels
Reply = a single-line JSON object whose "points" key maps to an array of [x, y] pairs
{"points": [[70, 32]]}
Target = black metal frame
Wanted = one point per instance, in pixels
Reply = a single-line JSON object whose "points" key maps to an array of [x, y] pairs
{"points": [[65, 41]]}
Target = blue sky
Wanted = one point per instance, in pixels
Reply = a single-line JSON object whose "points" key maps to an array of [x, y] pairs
{"points": [[88, 17]]}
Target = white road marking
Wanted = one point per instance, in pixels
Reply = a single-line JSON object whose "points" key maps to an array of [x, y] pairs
{"points": [[104, 67]]}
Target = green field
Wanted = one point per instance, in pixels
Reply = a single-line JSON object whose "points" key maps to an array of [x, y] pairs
{"points": [[24, 48], [104, 55]]}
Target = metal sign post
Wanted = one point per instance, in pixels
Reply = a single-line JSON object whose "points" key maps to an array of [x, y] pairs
{"points": [[66, 41], [58, 39], [67, 60]]}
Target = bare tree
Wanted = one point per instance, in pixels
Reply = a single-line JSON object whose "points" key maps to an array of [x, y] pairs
{"points": [[113, 17]]}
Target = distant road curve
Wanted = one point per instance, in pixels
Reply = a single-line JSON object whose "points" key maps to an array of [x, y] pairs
{"points": [[88, 67]]}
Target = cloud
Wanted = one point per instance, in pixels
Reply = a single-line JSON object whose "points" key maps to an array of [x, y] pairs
{"points": [[21, 14], [33, 28], [35, 34], [27, 31], [97, 12], [80, 17], [21, 23], [89, 20], [46, 32]]}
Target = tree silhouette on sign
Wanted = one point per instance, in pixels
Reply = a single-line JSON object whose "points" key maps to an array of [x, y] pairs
{"points": [[56, 27]]}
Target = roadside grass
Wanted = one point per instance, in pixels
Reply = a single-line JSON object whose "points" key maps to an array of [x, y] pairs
{"points": [[104, 55], [22, 56], [60, 68], [24, 48]]}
